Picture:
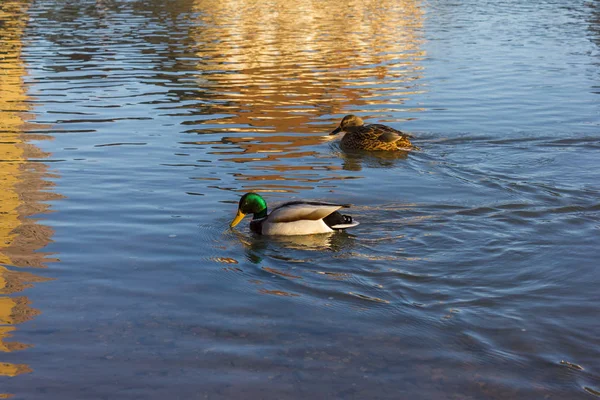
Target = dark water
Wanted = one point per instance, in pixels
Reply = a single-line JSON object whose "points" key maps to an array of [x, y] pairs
{"points": [[129, 130]]}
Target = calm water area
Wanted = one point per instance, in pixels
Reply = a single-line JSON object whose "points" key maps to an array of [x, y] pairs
{"points": [[129, 129]]}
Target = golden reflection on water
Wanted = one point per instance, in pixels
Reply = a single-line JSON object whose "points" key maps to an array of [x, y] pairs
{"points": [[22, 188], [280, 75]]}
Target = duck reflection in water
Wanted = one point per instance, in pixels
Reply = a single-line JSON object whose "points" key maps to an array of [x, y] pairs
{"points": [[355, 160], [290, 248]]}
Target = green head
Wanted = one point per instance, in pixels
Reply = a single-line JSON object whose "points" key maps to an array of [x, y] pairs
{"points": [[250, 203], [347, 122]]}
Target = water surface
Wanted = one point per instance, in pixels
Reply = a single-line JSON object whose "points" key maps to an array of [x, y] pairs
{"points": [[473, 274]]}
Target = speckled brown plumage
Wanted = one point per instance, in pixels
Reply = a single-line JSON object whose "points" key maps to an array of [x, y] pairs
{"points": [[371, 137]]}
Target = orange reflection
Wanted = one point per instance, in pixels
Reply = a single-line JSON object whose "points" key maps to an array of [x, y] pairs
{"points": [[22, 187], [277, 76], [7, 347]]}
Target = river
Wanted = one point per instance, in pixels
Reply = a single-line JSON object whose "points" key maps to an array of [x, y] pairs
{"points": [[129, 129]]}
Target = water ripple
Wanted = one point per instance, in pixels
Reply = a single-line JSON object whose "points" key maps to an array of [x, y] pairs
{"points": [[472, 273]]}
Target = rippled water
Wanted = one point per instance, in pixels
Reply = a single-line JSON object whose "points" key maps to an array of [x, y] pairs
{"points": [[129, 130]]}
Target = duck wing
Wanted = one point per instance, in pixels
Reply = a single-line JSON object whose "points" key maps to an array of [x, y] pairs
{"points": [[303, 210], [387, 134]]}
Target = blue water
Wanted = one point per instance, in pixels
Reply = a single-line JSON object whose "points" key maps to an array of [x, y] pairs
{"points": [[473, 274]]}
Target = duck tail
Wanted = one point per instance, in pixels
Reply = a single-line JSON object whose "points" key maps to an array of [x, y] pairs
{"points": [[339, 221], [345, 226]]}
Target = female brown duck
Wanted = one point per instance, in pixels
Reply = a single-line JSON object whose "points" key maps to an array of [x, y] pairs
{"points": [[371, 137]]}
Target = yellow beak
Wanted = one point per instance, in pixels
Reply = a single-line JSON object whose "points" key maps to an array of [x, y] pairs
{"points": [[238, 217]]}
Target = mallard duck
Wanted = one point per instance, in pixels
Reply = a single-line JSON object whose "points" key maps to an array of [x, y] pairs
{"points": [[371, 137], [293, 218]]}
